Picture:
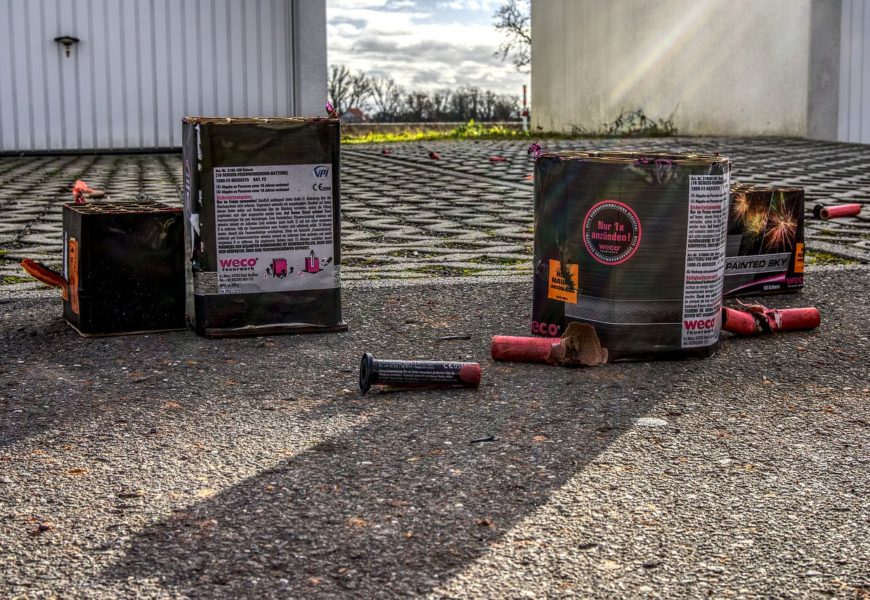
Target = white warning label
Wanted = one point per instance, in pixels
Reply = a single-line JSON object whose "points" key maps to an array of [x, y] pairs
{"points": [[274, 228], [705, 259]]}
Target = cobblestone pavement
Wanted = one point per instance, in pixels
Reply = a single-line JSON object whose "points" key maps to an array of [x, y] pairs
{"points": [[408, 216]]}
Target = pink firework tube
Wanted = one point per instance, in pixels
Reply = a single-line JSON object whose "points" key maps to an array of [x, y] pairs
{"points": [[758, 319], [837, 210], [523, 349], [794, 319], [739, 322]]}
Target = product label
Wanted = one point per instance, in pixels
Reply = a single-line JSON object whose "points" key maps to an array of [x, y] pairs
{"points": [[73, 279], [563, 282], [762, 263], [274, 228], [705, 259], [611, 232], [799, 258]]}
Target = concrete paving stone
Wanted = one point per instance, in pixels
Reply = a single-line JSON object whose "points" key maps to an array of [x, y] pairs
{"points": [[407, 198]]}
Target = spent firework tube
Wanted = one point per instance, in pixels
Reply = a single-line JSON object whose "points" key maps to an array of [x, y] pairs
{"points": [[820, 211], [523, 349], [758, 319], [739, 322], [794, 319], [416, 373]]}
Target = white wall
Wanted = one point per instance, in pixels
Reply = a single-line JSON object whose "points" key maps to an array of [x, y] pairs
{"points": [[143, 64], [724, 67], [854, 100]]}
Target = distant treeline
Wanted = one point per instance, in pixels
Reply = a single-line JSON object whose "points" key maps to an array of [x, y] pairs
{"points": [[382, 100]]}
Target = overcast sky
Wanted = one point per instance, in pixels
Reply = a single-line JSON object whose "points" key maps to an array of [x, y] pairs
{"points": [[422, 44]]}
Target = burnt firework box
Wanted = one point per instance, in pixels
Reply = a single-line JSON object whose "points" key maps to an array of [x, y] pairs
{"points": [[262, 223], [124, 263], [765, 247]]}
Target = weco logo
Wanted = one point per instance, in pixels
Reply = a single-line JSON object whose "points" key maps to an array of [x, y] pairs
{"points": [[321, 171]]}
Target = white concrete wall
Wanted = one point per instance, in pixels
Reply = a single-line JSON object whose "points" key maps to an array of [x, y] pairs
{"points": [[723, 67], [854, 88]]}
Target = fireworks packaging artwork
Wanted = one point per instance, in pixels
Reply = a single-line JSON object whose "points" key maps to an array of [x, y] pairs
{"points": [[262, 215], [123, 266], [765, 251], [634, 245]]}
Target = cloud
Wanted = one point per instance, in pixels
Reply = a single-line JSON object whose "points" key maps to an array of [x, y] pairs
{"points": [[424, 45], [355, 23]]}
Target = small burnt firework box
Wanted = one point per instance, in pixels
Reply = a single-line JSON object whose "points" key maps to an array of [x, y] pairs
{"points": [[124, 264], [262, 222], [765, 249]]}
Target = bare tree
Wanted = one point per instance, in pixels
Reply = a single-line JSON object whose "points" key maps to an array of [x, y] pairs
{"points": [[419, 106], [339, 81], [513, 20], [465, 103], [440, 100], [390, 102], [359, 91], [386, 97], [346, 89]]}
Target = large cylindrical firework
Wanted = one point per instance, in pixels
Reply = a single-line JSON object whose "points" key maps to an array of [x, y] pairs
{"points": [[633, 244]]}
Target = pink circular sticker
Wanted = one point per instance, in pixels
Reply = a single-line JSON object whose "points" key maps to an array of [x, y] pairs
{"points": [[611, 232]]}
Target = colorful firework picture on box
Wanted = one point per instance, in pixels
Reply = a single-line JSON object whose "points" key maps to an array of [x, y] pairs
{"points": [[765, 250]]}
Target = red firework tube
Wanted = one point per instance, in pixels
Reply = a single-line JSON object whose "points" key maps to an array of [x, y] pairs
{"points": [[758, 319], [793, 319], [838, 210], [416, 373], [523, 349], [739, 322], [43, 274]]}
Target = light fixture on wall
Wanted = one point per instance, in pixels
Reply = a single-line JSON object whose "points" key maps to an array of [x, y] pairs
{"points": [[68, 42]]}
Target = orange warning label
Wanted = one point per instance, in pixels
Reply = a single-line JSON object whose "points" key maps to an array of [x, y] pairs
{"points": [[560, 286], [799, 257], [73, 275]]}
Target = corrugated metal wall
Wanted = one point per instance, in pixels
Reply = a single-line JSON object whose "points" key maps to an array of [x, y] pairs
{"points": [[139, 67], [854, 109]]}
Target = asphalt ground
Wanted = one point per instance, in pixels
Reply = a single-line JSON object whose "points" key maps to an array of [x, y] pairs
{"points": [[171, 465]]}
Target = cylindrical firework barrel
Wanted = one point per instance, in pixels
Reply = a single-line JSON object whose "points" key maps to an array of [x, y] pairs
{"points": [[834, 211], [522, 349], [633, 244], [798, 319], [416, 373], [739, 321]]}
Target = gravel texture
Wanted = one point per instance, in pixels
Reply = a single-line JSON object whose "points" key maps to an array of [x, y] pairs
{"points": [[175, 466]]}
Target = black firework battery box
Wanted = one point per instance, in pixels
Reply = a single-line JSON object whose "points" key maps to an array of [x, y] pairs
{"points": [[765, 249], [262, 224], [124, 267]]}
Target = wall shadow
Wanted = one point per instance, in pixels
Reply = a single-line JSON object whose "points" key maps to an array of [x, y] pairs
{"points": [[398, 505]]}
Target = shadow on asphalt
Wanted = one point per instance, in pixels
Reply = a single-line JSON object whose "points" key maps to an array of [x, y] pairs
{"points": [[404, 501], [52, 380], [397, 505]]}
